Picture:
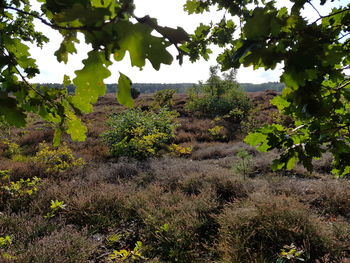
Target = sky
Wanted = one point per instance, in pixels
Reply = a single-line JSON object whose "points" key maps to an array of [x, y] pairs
{"points": [[168, 13]]}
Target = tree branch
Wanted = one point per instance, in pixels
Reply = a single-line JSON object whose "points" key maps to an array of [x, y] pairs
{"points": [[332, 14], [58, 27], [343, 86], [309, 2], [25, 81]]}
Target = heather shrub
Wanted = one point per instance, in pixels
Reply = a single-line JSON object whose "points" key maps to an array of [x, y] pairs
{"points": [[139, 134], [25, 228], [332, 199], [99, 211], [176, 225], [33, 138], [20, 169], [65, 245], [257, 229]]}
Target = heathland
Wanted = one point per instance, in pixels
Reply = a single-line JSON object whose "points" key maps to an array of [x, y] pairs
{"points": [[206, 197]]}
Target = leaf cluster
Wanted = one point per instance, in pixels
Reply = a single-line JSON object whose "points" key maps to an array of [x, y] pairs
{"points": [[109, 27]]}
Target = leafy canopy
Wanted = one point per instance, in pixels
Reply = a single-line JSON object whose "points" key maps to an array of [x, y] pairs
{"points": [[110, 27], [315, 56]]}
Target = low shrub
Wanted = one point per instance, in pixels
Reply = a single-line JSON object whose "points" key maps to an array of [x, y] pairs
{"points": [[65, 245], [164, 98], [176, 224], [135, 93], [98, 211], [255, 230], [217, 133], [12, 149], [15, 194], [139, 134], [5, 128], [178, 150], [219, 97], [235, 106], [58, 159]]}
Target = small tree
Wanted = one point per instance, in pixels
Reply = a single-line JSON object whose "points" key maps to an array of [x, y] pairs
{"points": [[219, 97], [164, 98]]}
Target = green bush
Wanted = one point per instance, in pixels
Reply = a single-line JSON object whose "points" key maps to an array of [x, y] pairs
{"points": [[58, 159], [164, 98], [5, 128], [135, 93], [219, 97], [139, 134]]}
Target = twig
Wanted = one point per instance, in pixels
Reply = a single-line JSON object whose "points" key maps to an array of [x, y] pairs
{"points": [[343, 86], [25, 81], [309, 2], [332, 14]]}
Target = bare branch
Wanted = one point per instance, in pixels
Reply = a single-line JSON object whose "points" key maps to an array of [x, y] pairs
{"points": [[309, 2]]}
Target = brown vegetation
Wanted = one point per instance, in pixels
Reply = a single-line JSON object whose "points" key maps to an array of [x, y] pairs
{"points": [[194, 209]]}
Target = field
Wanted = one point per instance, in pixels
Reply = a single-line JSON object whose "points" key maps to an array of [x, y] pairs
{"points": [[220, 203]]}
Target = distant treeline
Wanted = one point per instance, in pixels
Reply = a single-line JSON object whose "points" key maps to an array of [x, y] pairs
{"points": [[153, 87], [249, 87], [145, 88]]}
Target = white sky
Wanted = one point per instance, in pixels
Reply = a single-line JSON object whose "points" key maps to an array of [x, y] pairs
{"points": [[169, 13]]}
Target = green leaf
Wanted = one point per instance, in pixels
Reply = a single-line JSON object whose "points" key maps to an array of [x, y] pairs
{"points": [[67, 47], [124, 91], [141, 45], [85, 15], [277, 165], [280, 103], [13, 115], [258, 25], [291, 162], [76, 128], [57, 137], [255, 138], [66, 81], [192, 6], [89, 81]]}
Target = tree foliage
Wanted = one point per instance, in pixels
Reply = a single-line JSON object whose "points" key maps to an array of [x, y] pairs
{"points": [[111, 29], [315, 56]]}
